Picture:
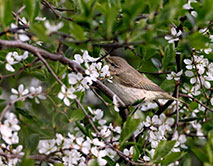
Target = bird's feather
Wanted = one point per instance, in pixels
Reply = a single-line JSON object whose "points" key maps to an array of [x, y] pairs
{"points": [[139, 80]]}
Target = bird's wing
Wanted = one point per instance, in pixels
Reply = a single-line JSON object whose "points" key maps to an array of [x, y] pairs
{"points": [[138, 81]]}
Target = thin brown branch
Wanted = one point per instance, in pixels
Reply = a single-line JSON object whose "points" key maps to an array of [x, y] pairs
{"points": [[94, 91], [11, 104], [178, 62], [35, 157], [20, 70], [155, 73], [127, 158], [58, 57], [13, 30], [196, 100], [49, 68], [47, 4]]}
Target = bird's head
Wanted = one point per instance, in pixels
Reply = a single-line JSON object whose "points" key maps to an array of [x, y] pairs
{"points": [[116, 64]]}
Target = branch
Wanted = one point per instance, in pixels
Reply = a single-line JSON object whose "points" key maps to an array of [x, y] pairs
{"points": [[20, 70], [47, 4], [35, 157], [178, 62], [121, 154], [13, 30], [49, 68], [11, 104], [196, 100], [58, 57]]}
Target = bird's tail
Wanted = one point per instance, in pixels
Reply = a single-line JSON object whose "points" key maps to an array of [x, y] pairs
{"points": [[167, 96]]}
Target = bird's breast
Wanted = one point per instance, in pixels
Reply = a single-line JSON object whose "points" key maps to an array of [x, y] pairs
{"points": [[130, 95]]}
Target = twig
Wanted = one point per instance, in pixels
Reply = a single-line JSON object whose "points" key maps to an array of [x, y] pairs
{"points": [[35, 157], [13, 30], [11, 104], [17, 15], [155, 73], [94, 91], [49, 68], [196, 100], [178, 62], [55, 13], [64, 60], [104, 56], [20, 70], [107, 143]]}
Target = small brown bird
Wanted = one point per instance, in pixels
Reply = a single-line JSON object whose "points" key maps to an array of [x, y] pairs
{"points": [[130, 85]]}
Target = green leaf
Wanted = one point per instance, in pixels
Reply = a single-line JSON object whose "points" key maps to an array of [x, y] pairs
{"points": [[32, 142], [136, 153], [8, 17], [128, 129], [27, 161], [77, 31], [163, 149], [59, 164], [198, 41], [36, 10], [172, 157], [110, 17], [76, 115], [169, 55], [29, 8], [153, 5], [207, 164], [186, 160], [201, 154], [156, 62]]}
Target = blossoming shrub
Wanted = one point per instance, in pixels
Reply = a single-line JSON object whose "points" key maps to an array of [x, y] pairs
{"points": [[55, 110]]}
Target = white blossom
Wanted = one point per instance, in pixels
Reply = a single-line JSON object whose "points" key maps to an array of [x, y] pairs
{"points": [[51, 27], [211, 101], [13, 58], [128, 152], [40, 18], [9, 129], [37, 94], [175, 36], [66, 94], [92, 72], [81, 82], [175, 76], [47, 146], [99, 154], [19, 93], [115, 103], [148, 105], [72, 157]]}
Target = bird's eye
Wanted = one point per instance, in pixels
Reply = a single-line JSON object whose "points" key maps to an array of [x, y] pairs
{"points": [[112, 64]]}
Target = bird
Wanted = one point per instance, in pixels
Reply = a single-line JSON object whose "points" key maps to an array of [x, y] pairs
{"points": [[130, 85]]}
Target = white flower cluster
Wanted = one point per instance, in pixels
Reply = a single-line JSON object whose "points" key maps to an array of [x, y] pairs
{"points": [[78, 82], [33, 92], [175, 35], [9, 134], [74, 147], [202, 66], [107, 131], [13, 58], [159, 127], [188, 6], [22, 36], [175, 76]]}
